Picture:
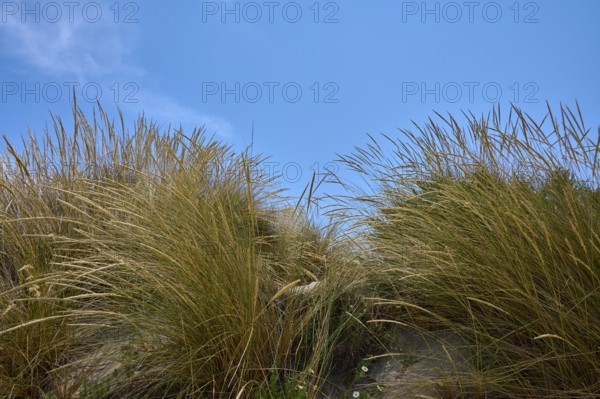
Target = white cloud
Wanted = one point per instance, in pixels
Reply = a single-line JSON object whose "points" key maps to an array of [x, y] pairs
{"points": [[80, 49], [96, 52], [165, 110]]}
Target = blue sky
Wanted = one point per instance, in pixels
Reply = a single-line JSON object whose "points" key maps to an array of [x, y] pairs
{"points": [[314, 77]]}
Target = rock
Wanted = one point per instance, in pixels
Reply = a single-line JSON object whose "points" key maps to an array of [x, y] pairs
{"points": [[305, 289]]}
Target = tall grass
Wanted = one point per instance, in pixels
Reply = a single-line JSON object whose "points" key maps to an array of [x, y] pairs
{"points": [[152, 264], [493, 232]]}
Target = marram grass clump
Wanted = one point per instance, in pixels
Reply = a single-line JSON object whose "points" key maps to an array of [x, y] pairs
{"points": [[493, 232], [152, 264]]}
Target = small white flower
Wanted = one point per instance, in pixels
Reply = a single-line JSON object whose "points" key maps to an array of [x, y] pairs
{"points": [[301, 387], [355, 394], [365, 368]]}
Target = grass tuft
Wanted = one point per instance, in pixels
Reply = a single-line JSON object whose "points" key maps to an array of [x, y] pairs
{"points": [[493, 232]]}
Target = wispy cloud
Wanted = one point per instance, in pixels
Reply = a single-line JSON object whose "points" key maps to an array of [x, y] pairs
{"points": [[165, 110], [78, 50], [75, 49]]}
